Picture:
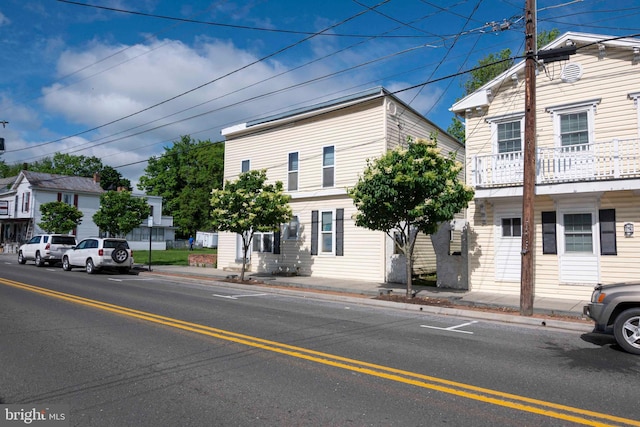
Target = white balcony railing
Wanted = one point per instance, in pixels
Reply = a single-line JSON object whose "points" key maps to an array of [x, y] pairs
{"points": [[615, 159]]}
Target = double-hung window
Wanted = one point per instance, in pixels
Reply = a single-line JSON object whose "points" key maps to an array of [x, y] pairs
{"points": [[26, 199], [326, 232], [262, 242], [574, 129], [511, 227], [328, 166], [245, 166], [507, 162], [293, 172], [509, 137], [578, 232], [574, 123]]}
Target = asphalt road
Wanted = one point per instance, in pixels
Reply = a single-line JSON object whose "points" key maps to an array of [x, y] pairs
{"points": [[131, 350]]}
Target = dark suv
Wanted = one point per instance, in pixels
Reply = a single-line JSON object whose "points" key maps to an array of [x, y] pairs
{"points": [[616, 308]]}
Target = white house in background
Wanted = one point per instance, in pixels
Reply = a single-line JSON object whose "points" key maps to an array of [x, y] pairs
{"points": [[587, 192], [162, 229], [207, 239], [22, 196], [318, 152]]}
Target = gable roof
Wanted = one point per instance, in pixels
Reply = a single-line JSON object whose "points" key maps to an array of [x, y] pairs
{"points": [[482, 96], [49, 181], [321, 108]]}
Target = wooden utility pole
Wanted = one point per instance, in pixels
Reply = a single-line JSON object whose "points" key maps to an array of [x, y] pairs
{"points": [[529, 167]]}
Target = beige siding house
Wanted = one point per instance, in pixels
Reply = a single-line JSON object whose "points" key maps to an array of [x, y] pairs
{"points": [[587, 193], [318, 152]]}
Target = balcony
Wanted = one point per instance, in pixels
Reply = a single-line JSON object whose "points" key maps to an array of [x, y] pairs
{"points": [[616, 159]]}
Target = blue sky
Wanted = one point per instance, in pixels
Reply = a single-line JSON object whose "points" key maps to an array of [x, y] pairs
{"points": [[121, 86]]}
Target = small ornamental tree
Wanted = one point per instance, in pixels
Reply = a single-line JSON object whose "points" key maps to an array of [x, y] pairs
{"points": [[410, 190], [120, 212], [59, 217], [248, 205]]}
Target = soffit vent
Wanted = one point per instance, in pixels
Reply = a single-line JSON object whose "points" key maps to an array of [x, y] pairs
{"points": [[571, 73]]}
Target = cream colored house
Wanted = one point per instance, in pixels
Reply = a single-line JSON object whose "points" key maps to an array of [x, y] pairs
{"points": [[318, 152], [587, 193]]}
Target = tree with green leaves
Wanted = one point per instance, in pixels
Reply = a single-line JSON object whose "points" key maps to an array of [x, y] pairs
{"points": [[410, 190], [111, 179], [249, 205], [120, 212], [59, 217], [184, 176], [68, 164]]}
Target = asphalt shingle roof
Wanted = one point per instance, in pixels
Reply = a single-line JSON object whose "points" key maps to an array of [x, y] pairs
{"points": [[62, 182]]}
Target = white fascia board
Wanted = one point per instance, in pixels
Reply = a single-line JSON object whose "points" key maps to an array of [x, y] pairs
{"points": [[232, 129]]}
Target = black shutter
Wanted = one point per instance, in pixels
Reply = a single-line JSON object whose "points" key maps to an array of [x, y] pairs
{"points": [[339, 232], [549, 245], [608, 232], [276, 242], [314, 232]]}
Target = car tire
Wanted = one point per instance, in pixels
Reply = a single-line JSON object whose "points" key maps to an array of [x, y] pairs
{"points": [[21, 258], [90, 267], [626, 329], [39, 261], [66, 266], [120, 254]]}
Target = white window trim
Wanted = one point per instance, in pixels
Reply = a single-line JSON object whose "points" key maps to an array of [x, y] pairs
{"points": [[333, 232], [507, 118], [242, 161], [595, 234], [578, 107], [69, 196], [333, 166], [258, 236], [297, 171]]}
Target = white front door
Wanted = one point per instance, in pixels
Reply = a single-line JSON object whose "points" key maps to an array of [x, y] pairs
{"points": [[508, 246]]}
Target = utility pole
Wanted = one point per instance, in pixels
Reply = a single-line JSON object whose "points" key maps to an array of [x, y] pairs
{"points": [[529, 167]]}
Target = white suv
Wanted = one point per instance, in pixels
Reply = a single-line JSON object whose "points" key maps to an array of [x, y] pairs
{"points": [[96, 253], [45, 248]]}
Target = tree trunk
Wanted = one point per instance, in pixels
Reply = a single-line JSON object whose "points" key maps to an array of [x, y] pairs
{"points": [[245, 249]]}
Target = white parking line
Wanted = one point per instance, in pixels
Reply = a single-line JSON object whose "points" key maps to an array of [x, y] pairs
{"points": [[238, 296], [453, 328], [130, 280]]}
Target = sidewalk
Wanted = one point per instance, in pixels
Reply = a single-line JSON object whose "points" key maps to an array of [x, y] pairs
{"points": [[547, 311]]}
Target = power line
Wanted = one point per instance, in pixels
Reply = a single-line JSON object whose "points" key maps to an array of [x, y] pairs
{"points": [[264, 58], [235, 26]]}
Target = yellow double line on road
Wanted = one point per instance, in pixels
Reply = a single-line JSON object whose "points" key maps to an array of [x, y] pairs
{"points": [[521, 403]]}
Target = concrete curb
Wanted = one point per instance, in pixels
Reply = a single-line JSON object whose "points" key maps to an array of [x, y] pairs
{"points": [[282, 287]]}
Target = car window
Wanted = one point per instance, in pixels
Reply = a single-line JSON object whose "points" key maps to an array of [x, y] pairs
{"points": [[94, 244], [82, 244], [34, 239], [115, 243], [45, 239], [63, 240]]}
